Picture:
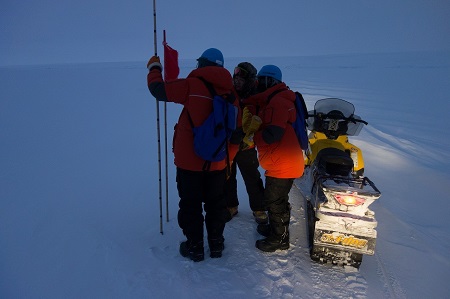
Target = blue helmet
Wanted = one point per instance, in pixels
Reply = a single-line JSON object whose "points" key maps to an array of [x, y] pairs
{"points": [[270, 71], [212, 55]]}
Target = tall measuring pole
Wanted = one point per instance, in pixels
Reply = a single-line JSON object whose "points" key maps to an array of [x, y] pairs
{"points": [[158, 129]]}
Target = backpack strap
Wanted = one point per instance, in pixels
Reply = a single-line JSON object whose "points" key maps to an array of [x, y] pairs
{"points": [[208, 85], [211, 90], [269, 98], [229, 97], [274, 93]]}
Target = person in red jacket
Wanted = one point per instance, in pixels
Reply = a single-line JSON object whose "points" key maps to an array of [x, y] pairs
{"points": [[279, 153], [195, 184], [246, 158]]}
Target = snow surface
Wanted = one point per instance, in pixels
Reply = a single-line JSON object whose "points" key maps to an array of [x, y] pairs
{"points": [[79, 200]]}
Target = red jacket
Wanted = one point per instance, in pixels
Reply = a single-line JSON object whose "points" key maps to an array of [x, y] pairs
{"points": [[282, 158], [193, 94]]}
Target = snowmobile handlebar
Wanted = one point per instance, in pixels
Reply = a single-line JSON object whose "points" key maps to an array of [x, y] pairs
{"points": [[339, 117]]}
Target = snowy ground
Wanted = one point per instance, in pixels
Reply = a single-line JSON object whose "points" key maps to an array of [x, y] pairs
{"points": [[79, 203]]}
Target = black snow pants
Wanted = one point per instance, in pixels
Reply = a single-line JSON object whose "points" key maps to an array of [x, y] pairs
{"points": [[276, 199], [247, 161], [194, 189]]}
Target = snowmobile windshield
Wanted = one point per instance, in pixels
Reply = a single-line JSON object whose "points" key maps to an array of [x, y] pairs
{"points": [[325, 106], [334, 117]]}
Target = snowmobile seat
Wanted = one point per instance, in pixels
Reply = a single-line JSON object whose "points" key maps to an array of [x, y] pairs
{"points": [[334, 161]]}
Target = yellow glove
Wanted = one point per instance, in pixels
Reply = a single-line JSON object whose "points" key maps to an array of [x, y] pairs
{"points": [[154, 62], [255, 123], [253, 126], [246, 119], [247, 141]]}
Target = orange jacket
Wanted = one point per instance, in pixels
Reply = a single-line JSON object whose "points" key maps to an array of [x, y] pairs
{"points": [[193, 94], [282, 158]]}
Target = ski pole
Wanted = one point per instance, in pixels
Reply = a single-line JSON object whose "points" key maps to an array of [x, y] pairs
{"points": [[158, 129]]}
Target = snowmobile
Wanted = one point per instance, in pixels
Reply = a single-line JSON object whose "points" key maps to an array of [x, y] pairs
{"points": [[341, 227]]}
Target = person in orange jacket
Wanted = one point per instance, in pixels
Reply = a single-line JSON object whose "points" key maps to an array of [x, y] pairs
{"points": [[195, 184], [279, 152], [246, 158]]}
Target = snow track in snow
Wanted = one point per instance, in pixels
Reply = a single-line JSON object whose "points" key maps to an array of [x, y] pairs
{"points": [[391, 287]]}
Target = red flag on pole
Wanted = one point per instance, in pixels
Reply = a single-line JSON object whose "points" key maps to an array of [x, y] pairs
{"points": [[171, 69]]}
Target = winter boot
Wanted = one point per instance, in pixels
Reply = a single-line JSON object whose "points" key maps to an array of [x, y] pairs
{"points": [[273, 243], [277, 234], [261, 217], [192, 250], [216, 246]]}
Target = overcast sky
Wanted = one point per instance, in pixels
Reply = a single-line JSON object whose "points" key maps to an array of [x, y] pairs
{"points": [[58, 31]]}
